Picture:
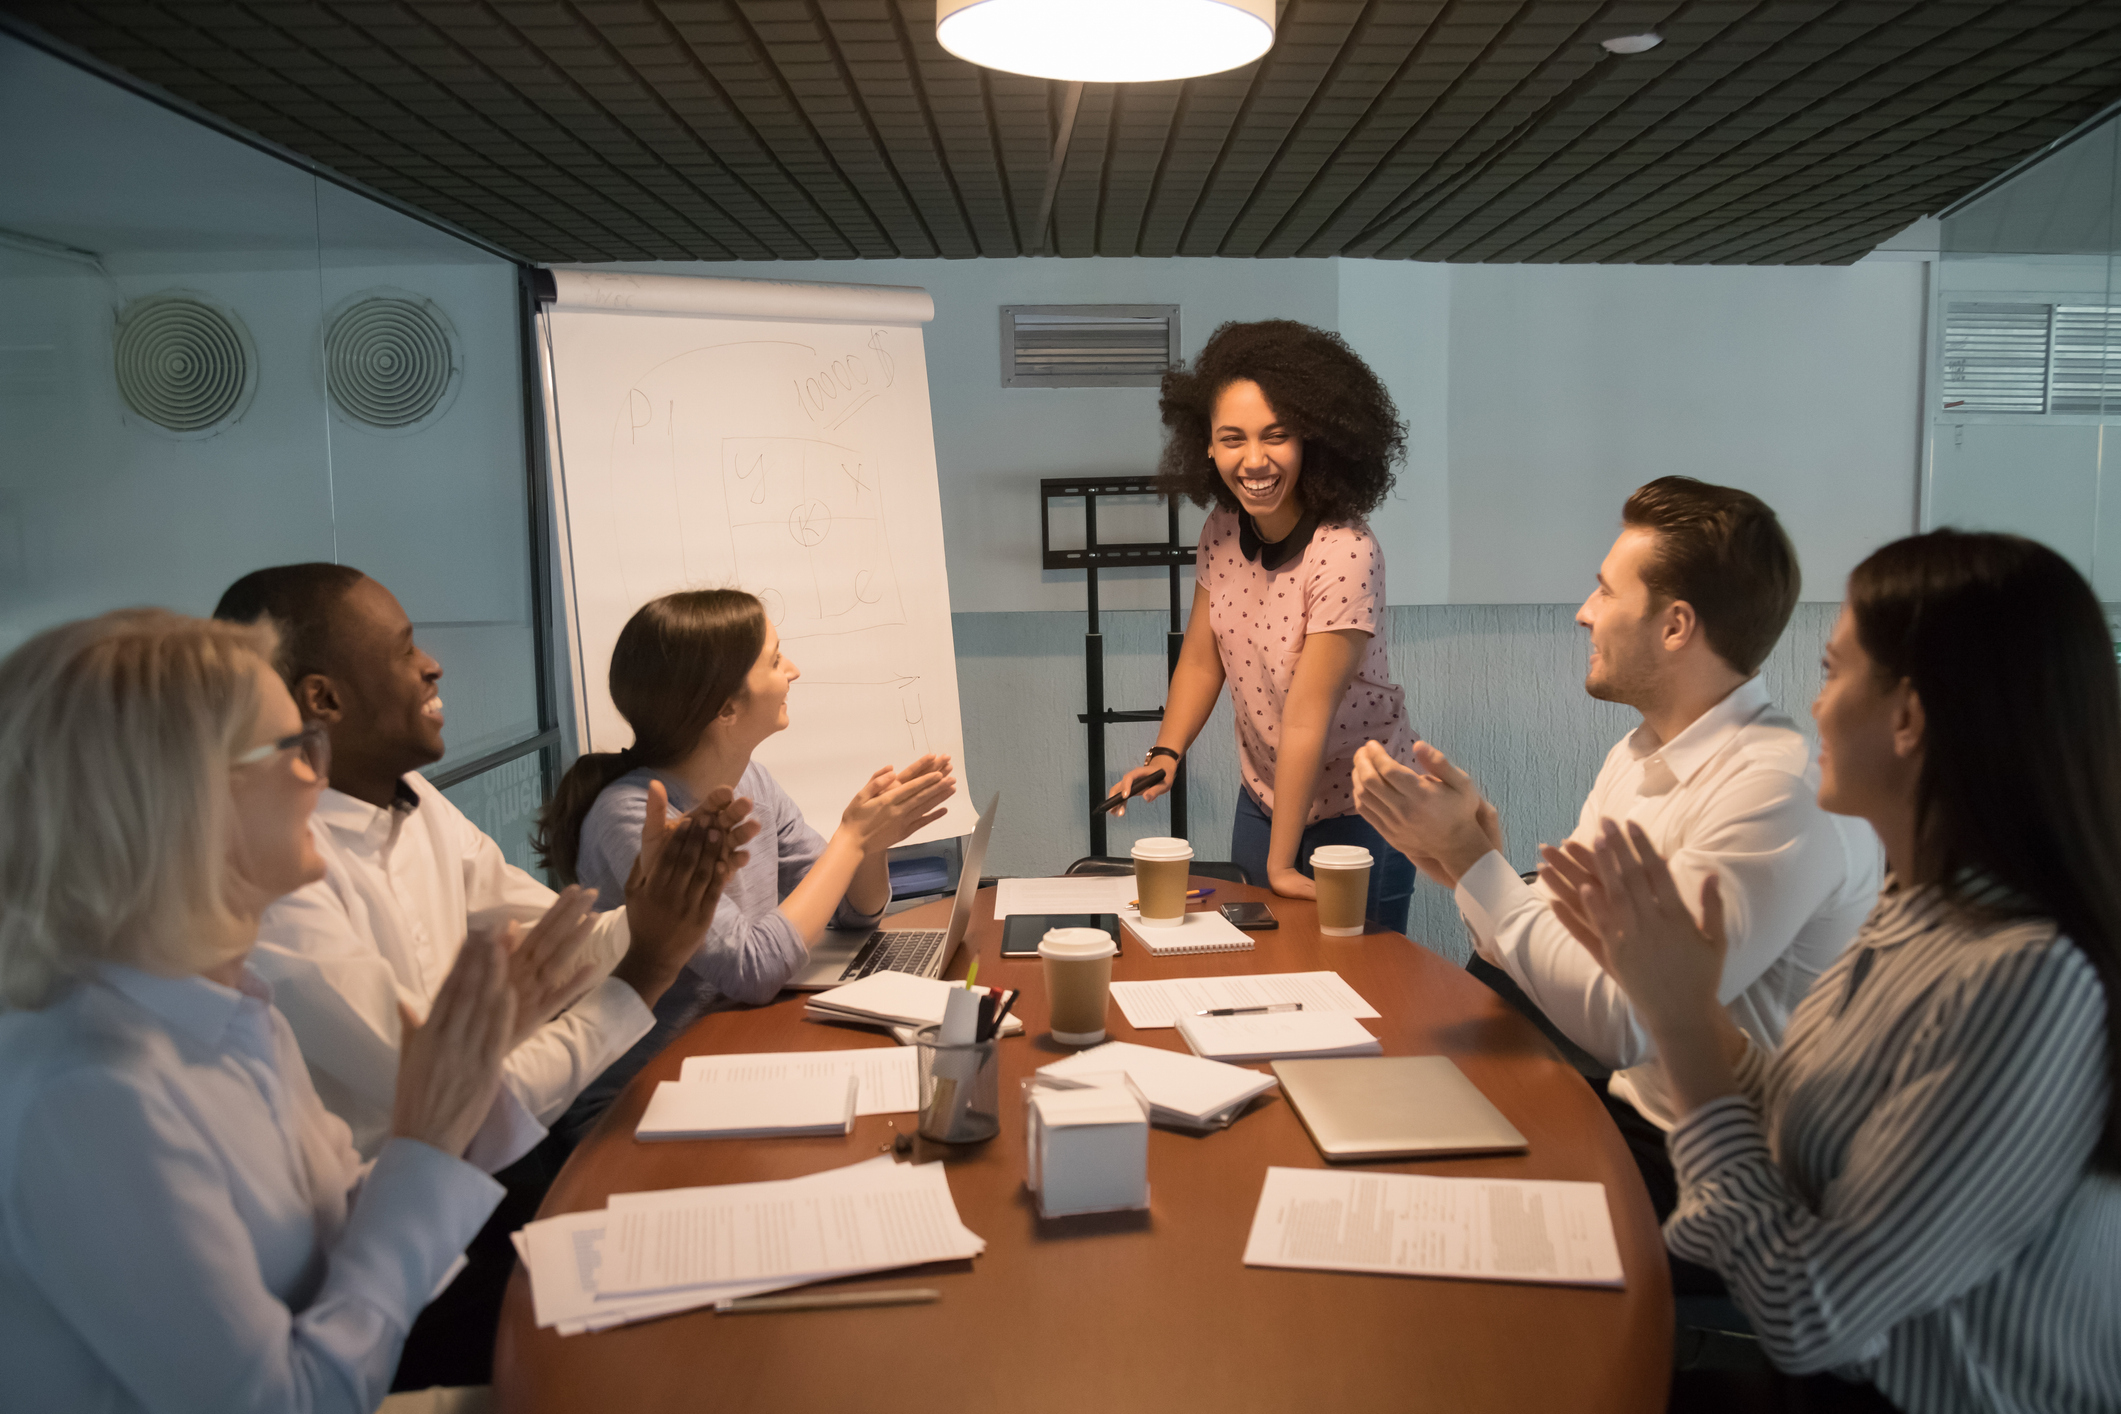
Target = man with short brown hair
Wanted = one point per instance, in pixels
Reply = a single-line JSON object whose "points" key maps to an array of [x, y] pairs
{"points": [[1689, 601]]}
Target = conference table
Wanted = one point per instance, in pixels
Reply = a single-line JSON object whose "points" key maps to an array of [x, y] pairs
{"points": [[1150, 1311]]}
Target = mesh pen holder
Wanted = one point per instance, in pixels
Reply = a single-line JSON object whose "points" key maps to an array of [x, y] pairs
{"points": [[960, 1089]]}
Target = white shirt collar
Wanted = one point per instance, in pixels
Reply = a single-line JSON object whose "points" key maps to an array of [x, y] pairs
{"points": [[1706, 735], [361, 822], [193, 1005]]}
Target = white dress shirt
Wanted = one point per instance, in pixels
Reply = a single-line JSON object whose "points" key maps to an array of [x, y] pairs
{"points": [[401, 890], [182, 1224], [1735, 794]]}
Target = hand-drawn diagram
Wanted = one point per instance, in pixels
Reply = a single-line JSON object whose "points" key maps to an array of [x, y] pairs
{"points": [[806, 527], [794, 460]]}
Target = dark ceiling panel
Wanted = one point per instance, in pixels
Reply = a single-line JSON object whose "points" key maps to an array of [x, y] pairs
{"points": [[1761, 131]]}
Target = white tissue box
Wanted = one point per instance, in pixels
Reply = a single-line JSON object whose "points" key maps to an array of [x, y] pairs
{"points": [[1088, 1145]]}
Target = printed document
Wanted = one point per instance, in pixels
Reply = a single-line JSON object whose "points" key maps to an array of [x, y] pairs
{"points": [[1487, 1229], [751, 1232], [1084, 893], [1153, 1004], [889, 1076]]}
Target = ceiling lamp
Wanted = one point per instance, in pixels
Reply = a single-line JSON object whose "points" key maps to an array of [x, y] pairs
{"points": [[1106, 41], [1631, 43]]}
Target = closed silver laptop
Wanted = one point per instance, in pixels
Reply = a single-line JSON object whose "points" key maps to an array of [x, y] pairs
{"points": [[1394, 1107], [841, 957]]}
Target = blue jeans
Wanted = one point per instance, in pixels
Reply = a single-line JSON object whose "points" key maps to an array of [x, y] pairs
{"points": [[1391, 875]]}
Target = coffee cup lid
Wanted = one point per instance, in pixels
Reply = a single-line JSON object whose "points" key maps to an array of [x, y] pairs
{"points": [[1074, 944], [1162, 847], [1340, 856]]}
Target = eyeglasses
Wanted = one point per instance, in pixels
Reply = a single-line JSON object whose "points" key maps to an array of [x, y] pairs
{"points": [[313, 741]]}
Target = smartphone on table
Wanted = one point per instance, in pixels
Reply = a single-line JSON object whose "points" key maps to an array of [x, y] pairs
{"points": [[1252, 917]]}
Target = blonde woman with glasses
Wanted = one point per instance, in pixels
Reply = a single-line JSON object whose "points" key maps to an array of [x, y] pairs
{"points": [[182, 1225]]}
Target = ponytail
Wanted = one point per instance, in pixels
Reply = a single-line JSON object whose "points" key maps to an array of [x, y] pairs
{"points": [[557, 836], [678, 662]]}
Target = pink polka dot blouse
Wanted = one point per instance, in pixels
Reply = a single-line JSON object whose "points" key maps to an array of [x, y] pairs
{"points": [[1260, 618]]}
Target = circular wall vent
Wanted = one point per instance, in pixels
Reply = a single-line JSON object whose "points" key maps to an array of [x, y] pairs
{"points": [[183, 364], [389, 360]]}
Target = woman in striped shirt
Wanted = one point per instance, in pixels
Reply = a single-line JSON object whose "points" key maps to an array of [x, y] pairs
{"points": [[1919, 1192]]}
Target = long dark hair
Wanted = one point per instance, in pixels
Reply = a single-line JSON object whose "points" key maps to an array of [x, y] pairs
{"points": [[678, 662], [1317, 386], [2007, 648]]}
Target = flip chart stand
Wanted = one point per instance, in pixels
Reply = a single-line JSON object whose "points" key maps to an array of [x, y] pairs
{"points": [[1172, 552]]}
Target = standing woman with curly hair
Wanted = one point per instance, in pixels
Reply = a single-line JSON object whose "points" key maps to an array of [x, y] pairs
{"points": [[1294, 439]]}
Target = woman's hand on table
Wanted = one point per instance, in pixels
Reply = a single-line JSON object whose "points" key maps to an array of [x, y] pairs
{"points": [[1289, 882]]}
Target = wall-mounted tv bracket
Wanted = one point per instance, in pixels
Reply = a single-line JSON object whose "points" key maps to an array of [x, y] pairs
{"points": [[1093, 556]]}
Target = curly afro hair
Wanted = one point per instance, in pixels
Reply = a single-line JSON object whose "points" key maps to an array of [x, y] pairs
{"points": [[1352, 435]]}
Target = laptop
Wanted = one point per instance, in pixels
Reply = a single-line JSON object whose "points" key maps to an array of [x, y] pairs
{"points": [[1394, 1107], [841, 956]]}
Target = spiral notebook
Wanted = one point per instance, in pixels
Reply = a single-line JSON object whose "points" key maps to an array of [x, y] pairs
{"points": [[1205, 930]]}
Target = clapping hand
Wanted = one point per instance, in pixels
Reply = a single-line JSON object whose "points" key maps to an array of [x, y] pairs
{"points": [[449, 1066], [677, 881], [1617, 898], [547, 968], [893, 804], [1436, 815]]}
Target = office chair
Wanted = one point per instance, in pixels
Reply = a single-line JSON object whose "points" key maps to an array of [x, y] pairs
{"points": [[1110, 864]]}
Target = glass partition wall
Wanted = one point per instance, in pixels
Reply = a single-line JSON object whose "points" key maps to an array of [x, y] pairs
{"points": [[212, 360], [2025, 385]]}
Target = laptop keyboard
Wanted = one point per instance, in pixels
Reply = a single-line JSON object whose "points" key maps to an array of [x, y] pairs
{"points": [[898, 950]]}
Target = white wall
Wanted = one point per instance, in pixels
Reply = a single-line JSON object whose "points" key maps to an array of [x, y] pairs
{"points": [[1535, 396], [1573, 384]]}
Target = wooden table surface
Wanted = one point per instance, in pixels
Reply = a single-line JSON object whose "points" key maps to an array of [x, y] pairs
{"points": [[1146, 1311]]}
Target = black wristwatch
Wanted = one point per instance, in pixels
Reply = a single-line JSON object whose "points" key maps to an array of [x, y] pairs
{"points": [[1155, 751]]}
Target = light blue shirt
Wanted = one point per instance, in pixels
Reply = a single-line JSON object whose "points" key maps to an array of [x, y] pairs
{"points": [[751, 948], [183, 1226]]}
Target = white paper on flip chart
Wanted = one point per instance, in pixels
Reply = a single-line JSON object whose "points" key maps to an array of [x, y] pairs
{"points": [[1487, 1229], [1085, 893], [1153, 1004], [735, 1233], [889, 1077]]}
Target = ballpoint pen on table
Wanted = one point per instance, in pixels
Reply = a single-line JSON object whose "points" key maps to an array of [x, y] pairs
{"points": [[1250, 1010]]}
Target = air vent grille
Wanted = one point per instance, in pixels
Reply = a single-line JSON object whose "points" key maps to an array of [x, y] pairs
{"points": [[2031, 358], [182, 364], [1088, 345], [388, 360]]}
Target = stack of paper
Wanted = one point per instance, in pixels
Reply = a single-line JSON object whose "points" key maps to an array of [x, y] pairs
{"points": [[1077, 893], [652, 1254], [1161, 1003], [1184, 1092], [1204, 930], [892, 1000], [1272, 1035], [751, 1109], [1491, 1229], [889, 1078]]}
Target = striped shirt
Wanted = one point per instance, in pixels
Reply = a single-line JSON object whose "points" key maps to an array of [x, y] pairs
{"points": [[1902, 1193]]}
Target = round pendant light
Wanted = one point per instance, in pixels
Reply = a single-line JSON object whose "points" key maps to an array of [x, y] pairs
{"points": [[1106, 41]]}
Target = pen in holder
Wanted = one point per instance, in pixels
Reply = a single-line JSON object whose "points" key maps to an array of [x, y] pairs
{"points": [[960, 1089]]}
